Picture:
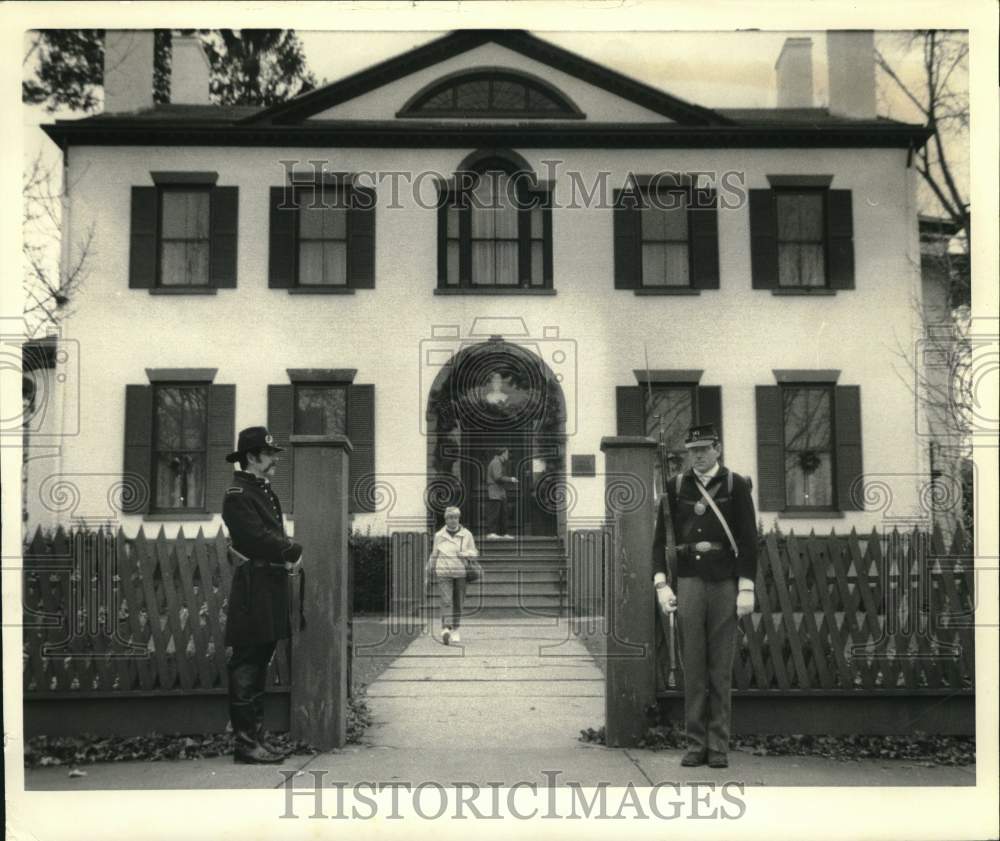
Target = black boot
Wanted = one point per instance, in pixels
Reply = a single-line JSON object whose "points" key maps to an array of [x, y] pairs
{"points": [[269, 743], [248, 751]]}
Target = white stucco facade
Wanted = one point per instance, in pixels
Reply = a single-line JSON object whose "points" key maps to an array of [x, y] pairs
{"points": [[738, 335]]}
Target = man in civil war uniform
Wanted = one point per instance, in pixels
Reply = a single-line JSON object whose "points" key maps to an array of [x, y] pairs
{"points": [[714, 525], [258, 614]]}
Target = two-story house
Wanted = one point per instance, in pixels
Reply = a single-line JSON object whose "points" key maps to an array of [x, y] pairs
{"points": [[491, 241]]}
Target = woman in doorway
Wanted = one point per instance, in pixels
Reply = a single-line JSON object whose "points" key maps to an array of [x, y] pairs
{"points": [[453, 545]]}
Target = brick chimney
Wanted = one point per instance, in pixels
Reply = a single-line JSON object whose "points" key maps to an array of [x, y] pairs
{"points": [[851, 64], [128, 70], [189, 71], [794, 74]]}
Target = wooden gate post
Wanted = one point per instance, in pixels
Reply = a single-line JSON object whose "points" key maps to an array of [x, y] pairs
{"points": [[630, 684], [319, 652]]}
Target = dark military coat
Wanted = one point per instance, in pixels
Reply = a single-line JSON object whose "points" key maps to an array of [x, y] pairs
{"points": [[258, 599], [690, 527]]}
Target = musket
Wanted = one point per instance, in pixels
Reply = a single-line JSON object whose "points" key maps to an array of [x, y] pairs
{"points": [[670, 541]]}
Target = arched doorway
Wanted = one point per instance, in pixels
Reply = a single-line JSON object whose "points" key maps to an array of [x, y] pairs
{"points": [[489, 396]]}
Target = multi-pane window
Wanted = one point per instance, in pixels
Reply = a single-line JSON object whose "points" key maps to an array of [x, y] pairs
{"points": [[184, 237], [494, 235], [801, 254], [808, 446], [665, 253], [322, 239], [671, 412], [488, 93], [180, 419], [320, 410]]}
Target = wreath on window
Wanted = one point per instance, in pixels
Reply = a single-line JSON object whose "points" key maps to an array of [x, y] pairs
{"points": [[809, 461]]}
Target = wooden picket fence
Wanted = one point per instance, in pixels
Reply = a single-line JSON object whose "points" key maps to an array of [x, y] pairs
{"points": [[107, 615], [885, 613]]}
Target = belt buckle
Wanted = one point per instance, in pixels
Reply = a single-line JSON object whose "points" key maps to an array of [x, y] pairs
{"points": [[702, 546]]}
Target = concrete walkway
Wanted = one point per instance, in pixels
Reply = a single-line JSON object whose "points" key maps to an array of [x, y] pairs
{"points": [[504, 706]]}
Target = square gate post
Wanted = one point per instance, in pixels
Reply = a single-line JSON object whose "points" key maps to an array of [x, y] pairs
{"points": [[319, 652], [630, 685]]}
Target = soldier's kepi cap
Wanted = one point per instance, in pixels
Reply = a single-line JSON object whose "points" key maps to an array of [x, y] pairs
{"points": [[701, 436], [253, 438]]}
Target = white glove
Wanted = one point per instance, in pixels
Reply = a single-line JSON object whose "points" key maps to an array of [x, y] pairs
{"points": [[668, 601], [744, 602]]}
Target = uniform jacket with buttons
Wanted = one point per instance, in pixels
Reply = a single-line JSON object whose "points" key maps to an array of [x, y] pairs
{"points": [[258, 602], [691, 527]]}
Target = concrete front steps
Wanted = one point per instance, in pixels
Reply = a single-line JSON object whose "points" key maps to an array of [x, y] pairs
{"points": [[521, 577]]}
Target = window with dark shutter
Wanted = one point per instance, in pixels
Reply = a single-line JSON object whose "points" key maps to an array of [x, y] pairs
{"points": [[666, 239], [801, 236], [322, 237], [184, 234], [180, 443]]}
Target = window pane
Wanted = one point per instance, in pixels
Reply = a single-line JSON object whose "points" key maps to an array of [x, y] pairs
{"points": [[335, 263], [320, 410], [180, 417], [505, 222], [453, 270], [443, 101], [672, 410], [677, 265], [335, 223], [653, 223], [184, 264], [482, 222], [675, 221], [537, 226], [310, 220], [537, 263], [508, 96], [452, 215], [807, 418], [473, 95], [185, 214], [180, 480], [788, 265], [811, 216], [788, 216], [538, 101], [812, 271], [808, 479], [654, 264], [506, 271], [310, 263], [482, 263]]}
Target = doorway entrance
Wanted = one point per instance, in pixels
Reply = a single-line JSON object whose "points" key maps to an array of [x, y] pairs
{"points": [[494, 396]]}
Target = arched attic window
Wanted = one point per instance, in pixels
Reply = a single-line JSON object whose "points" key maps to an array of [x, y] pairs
{"points": [[494, 226], [491, 92]]}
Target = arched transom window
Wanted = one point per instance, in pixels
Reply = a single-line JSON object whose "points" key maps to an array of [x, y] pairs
{"points": [[491, 92]]}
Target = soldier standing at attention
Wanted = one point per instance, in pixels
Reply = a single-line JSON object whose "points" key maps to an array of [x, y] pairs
{"points": [[258, 600], [716, 532]]}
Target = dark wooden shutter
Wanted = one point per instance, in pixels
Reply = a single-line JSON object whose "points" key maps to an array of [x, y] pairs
{"points": [[279, 424], [840, 239], [361, 239], [631, 410], [770, 449], [703, 224], [221, 442], [547, 270], [710, 407], [143, 232], [223, 227], [763, 240], [138, 465], [627, 240], [847, 432], [361, 431], [283, 241]]}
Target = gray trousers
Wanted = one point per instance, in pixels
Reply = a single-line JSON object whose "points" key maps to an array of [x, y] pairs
{"points": [[452, 593], [706, 611]]}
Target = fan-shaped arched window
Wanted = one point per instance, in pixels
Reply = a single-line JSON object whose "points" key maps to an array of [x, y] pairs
{"points": [[491, 92], [495, 227]]}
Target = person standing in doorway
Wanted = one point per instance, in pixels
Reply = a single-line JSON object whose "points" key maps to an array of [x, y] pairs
{"points": [[716, 532], [258, 614], [496, 492], [453, 547]]}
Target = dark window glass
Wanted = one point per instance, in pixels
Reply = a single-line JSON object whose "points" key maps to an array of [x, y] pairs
{"points": [[665, 253], [320, 410], [184, 243], [482, 95], [809, 467], [672, 411], [801, 257], [180, 432]]}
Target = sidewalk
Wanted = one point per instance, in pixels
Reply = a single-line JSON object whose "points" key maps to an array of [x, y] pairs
{"points": [[504, 706]]}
